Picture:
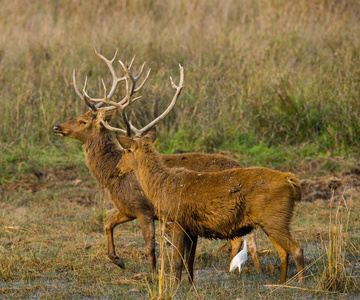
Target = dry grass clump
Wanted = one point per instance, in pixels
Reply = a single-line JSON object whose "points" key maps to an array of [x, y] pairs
{"points": [[338, 271]]}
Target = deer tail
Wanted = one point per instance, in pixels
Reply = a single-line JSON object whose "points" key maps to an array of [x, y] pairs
{"points": [[295, 182]]}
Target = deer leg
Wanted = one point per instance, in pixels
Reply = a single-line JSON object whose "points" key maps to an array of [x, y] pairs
{"points": [[252, 246], [148, 230], [285, 244], [114, 220], [190, 249], [283, 258], [297, 254], [178, 250]]}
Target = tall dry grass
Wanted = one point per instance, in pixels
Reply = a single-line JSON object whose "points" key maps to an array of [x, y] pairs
{"points": [[338, 272], [280, 72]]}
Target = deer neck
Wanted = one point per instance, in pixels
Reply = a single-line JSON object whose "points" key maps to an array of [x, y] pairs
{"points": [[151, 173], [102, 155]]}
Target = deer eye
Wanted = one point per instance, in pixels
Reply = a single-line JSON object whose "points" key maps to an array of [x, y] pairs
{"points": [[82, 123]]}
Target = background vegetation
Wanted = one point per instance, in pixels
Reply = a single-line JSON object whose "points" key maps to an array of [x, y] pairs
{"points": [[272, 80], [273, 83]]}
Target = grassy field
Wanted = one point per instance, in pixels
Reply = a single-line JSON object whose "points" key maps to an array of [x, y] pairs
{"points": [[52, 245], [269, 83]]}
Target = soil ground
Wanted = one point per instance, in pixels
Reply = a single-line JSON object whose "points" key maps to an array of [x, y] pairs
{"points": [[52, 243]]}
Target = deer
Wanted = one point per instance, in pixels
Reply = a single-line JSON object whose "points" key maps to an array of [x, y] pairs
{"points": [[103, 153], [216, 205]]}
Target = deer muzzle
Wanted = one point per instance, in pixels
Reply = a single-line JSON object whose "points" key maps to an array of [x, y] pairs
{"points": [[58, 131]]}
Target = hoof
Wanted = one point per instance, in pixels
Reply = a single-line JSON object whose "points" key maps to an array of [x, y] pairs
{"points": [[117, 261]]}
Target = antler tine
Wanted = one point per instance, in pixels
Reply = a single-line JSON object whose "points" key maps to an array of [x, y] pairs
{"points": [[178, 88], [116, 79], [109, 127], [88, 99], [75, 86], [132, 60], [131, 89], [88, 103], [134, 80], [144, 81], [122, 104]]}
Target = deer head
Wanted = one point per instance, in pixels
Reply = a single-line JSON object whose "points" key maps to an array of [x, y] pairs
{"points": [[131, 147], [91, 123], [84, 127]]}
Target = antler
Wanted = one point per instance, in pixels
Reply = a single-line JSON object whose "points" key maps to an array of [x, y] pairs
{"points": [[123, 103], [131, 89], [116, 81], [178, 89], [126, 101]]}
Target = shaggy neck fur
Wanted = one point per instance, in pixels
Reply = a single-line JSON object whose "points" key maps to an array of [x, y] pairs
{"points": [[102, 155]]}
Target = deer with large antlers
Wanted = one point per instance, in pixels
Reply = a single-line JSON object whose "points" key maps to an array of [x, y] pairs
{"points": [[103, 154]]}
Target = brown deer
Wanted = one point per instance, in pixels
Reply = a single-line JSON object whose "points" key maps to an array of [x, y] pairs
{"points": [[216, 205], [103, 153]]}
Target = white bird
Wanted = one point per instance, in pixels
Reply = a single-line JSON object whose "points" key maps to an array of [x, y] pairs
{"points": [[240, 258]]}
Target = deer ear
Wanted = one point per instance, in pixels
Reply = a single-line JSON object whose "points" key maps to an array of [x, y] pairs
{"points": [[109, 114], [125, 141], [151, 135], [89, 113], [105, 114]]}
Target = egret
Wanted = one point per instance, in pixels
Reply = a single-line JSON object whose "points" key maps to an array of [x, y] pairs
{"points": [[240, 258]]}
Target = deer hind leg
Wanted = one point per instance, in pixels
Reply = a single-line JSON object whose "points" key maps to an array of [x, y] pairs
{"points": [[190, 243], [148, 231], [284, 243], [298, 255], [114, 220], [283, 258]]}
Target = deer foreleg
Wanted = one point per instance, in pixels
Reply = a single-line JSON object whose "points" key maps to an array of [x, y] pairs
{"points": [[114, 220], [148, 230]]}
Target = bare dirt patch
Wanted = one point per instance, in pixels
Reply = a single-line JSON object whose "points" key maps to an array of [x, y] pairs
{"points": [[334, 186]]}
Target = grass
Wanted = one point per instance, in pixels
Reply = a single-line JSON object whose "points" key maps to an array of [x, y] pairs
{"points": [[338, 271], [273, 81], [270, 83]]}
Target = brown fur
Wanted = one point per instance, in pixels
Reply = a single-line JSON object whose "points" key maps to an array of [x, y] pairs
{"points": [[103, 154], [223, 205]]}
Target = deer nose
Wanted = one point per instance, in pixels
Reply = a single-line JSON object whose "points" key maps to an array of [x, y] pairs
{"points": [[56, 128]]}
